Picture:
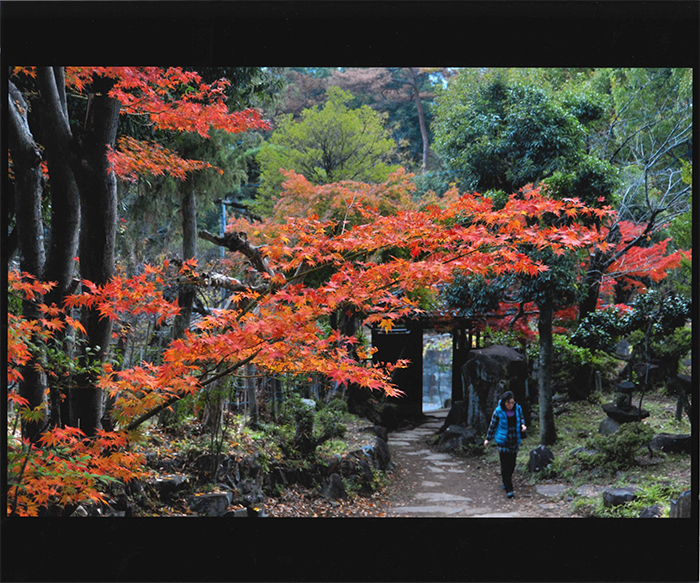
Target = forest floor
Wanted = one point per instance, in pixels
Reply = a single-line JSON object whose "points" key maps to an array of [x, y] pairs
{"points": [[426, 483]]}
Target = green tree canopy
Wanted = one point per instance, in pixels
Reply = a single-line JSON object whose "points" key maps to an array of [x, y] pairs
{"points": [[494, 132], [327, 144]]}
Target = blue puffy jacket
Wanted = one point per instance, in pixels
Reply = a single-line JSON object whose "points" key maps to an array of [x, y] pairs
{"points": [[498, 428]]}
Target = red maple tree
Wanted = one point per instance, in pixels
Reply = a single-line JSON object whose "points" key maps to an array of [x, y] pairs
{"points": [[274, 317]]}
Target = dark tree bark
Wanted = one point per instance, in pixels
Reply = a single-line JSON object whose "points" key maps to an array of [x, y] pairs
{"points": [[30, 234], [185, 298], [65, 209], [65, 198], [186, 291], [251, 386], [98, 198], [548, 433]]}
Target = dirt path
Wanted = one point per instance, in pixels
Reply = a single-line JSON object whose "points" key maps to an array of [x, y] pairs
{"points": [[427, 483]]}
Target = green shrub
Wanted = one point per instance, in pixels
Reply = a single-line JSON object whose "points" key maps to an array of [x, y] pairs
{"points": [[329, 421], [574, 365], [669, 351], [617, 451], [338, 405]]}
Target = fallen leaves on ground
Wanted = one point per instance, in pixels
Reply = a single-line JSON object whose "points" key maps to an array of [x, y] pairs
{"points": [[300, 502]]}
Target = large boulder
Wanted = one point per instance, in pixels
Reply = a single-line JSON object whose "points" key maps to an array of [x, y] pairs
{"points": [[382, 455], [169, 486], [487, 374]]}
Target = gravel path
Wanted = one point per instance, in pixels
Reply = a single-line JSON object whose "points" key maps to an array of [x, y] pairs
{"points": [[427, 483]]}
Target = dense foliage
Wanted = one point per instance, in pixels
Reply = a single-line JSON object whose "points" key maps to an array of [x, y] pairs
{"points": [[121, 317]]}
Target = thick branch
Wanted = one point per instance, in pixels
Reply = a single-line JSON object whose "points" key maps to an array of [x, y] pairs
{"points": [[54, 98], [221, 281], [238, 242], [20, 136]]}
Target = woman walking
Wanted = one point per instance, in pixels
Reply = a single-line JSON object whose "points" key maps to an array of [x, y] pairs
{"points": [[507, 423]]}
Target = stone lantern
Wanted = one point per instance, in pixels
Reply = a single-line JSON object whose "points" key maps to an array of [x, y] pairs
{"points": [[623, 395], [621, 410]]}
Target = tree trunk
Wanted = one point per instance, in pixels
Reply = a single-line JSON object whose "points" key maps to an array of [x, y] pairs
{"points": [[65, 198], [185, 298], [548, 433], [186, 291], [591, 283], [421, 119], [30, 231], [251, 395], [65, 208], [98, 198], [460, 350]]}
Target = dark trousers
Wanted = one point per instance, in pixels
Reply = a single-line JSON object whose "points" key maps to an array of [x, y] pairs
{"points": [[507, 469]]}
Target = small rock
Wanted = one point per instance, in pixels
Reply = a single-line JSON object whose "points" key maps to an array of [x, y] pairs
{"points": [[250, 492], [170, 484], [80, 512], [669, 443], [608, 426], [210, 504], [540, 458], [582, 450], [618, 496], [255, 511], [333, 488], [654, 511]]}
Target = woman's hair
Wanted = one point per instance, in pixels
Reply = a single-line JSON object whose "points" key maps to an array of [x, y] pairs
{"points": [[507, 396]]}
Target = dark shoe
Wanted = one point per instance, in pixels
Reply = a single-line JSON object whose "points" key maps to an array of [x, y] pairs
{"points": [[510, 494]]}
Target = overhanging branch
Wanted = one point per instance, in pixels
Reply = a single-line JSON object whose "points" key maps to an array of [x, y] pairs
{"points": [[238, 242], [175, 398]]}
